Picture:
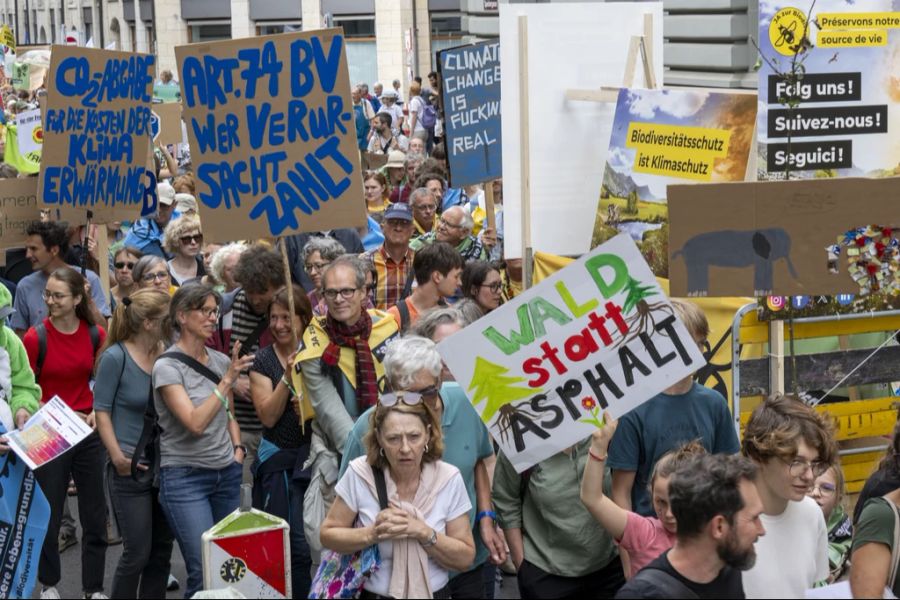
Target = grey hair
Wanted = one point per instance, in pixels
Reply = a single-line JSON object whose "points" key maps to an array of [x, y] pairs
{"points": [[417, 193], [144, 264], [190, 297], [469, 310], [414, 157], [434, 318], [406, 357], [359, 266], [217, 262], [467, 222], [328, 248]]}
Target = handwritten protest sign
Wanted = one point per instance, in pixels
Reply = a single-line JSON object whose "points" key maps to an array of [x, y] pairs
{"points": [[599, 335], [471, 101], [97, 133], [270, 125], [845, 118], [663, 137], [18, 209]]}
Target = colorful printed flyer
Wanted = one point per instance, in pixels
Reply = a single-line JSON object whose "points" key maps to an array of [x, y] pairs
{"points": [[841, 116], [48, 434], [599, 335], [661, 137]]}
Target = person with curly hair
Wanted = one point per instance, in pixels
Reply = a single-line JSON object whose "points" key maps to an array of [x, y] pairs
{"points": [[183, 238], [792, 445]]}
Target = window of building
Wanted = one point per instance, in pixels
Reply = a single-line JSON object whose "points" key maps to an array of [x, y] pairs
{"points": [[446, 32], [209, 32], [266, 28], [357, 27]]}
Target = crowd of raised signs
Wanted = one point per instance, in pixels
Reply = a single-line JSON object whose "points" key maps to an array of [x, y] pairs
{"points": [[317, 380]]}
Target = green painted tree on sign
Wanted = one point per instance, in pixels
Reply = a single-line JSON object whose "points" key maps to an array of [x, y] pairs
{"points": [[489, 383]]}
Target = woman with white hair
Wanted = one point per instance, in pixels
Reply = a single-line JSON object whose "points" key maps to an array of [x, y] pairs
{"points": [[425, 530], [413, 363], [222, 265], [183, 238]]}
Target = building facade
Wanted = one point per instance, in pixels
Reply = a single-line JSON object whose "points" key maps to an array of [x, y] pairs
{"points": [[707, 41]]}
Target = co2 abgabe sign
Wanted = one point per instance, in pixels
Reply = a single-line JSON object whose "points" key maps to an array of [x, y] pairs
{"points": [[270, 125]]}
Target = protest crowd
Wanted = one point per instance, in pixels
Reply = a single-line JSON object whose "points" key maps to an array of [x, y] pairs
{"points": [[308, 368]]}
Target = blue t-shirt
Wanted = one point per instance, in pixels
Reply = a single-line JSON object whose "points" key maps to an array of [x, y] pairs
{"points": [[466, 441], [30, 306], [664, 423], [122, 389]]}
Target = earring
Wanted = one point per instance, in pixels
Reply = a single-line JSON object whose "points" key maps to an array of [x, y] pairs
{"points": [[426, 448], [381, 451]]}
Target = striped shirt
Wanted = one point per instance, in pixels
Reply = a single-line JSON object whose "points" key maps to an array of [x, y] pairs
{"points": [[244, 322], [392, 276]]}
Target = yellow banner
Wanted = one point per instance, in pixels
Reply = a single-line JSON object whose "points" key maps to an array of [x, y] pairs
{"points": [[677, 151], [7, 38], [852, 38], [885, 20]]}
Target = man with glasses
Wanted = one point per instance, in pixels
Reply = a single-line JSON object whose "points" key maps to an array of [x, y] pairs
{"points": [[294, 244], [455, 228], [718, 511], [45, 248], [393, 260], [424, 210], [437, 269], [792, 445], [683, 412]]}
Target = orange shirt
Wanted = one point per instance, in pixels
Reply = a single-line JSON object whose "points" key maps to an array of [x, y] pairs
{"points": [[413, 314]]}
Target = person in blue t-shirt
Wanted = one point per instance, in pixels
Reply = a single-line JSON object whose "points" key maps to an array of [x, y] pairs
{"points": [[413, 363], [684, 412]]}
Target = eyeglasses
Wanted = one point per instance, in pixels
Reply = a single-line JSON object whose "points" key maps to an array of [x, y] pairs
{"points": [[346, 293], [161, 276], [397, 223], [826, 489], [122, 265], [409, 397], [371, 287], [56, 296], [799, 466], [494, 287], [310, 267], [446, 223], [425, 207], [209, 312], [196, 238]]}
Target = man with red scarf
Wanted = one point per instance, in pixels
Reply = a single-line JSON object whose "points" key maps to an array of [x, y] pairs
{"points": [[338, 367]]}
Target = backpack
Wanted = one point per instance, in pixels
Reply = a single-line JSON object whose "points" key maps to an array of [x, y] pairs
{"points": [[429, 116], [41, 332]]}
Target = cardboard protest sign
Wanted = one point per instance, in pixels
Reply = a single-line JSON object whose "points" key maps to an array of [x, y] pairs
{"points": [[270, 125], [30, 131], [848, 101], [24, 517], [660, 137], [169, 122], [804, 237], [97, 132], [581, 45], [18, 209], [470, 92], [599, 335]]}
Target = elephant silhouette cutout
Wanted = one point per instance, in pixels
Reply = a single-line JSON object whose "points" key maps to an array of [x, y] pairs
{"points": [[759, 248]]}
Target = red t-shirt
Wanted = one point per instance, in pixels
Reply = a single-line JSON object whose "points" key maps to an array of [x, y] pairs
{"points": [[68, 364]]}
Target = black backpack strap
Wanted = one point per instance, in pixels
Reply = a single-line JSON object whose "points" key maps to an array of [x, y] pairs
{"points": [[380, 488], [663, 580], [253, 338], [95, 338], [146, 443], [41, 332], [194, 364], [407, 287], [405, 317]]}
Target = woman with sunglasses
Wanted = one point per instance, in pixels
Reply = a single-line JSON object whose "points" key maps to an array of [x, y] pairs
{"points": [[279, 479], [64, 367], [413, 363], [200, 445], [135, 341], [151, 271], [425, 531], [123, 262], [184, 240], [481, 282]]}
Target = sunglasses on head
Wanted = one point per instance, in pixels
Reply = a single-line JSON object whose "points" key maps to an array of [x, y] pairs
{"points": [[409, 398]]}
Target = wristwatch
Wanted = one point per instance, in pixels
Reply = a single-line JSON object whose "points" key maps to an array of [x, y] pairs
{"points": [[241, 447], [431, 541]]}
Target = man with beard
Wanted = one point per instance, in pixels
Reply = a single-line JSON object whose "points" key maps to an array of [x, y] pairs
{"points": [[717, 507]]}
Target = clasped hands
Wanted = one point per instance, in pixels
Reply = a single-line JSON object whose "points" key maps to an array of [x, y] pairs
{"points": [[396, 524]]}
